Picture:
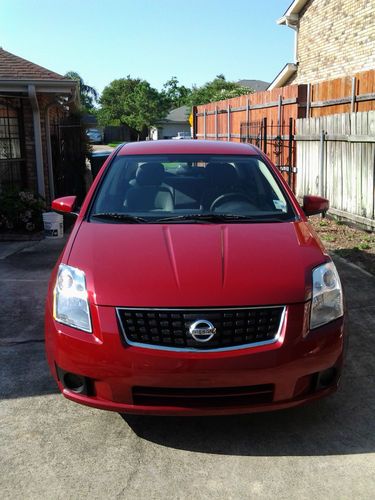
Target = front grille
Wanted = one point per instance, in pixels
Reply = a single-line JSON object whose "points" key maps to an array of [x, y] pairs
{"points": [[203, 397], [169, 328]]}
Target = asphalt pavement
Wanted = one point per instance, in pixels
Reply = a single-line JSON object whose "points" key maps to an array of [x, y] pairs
{"points": [[52, 448]]}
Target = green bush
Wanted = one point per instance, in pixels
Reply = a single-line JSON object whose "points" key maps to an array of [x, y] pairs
{"points": [[21, 211]]}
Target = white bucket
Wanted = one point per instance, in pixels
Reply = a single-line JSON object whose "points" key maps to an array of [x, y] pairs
{"points": [[53, 225]]}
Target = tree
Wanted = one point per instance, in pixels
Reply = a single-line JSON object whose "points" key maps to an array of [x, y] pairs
{"points": [[133, 102], [177, 95], [216, 90], [88, 95]]}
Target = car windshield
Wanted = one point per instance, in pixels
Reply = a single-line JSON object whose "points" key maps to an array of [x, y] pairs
{"points": [[188, 188]]}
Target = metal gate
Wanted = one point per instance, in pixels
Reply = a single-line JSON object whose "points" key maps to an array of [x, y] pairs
{"points": [[68, 158], [277, 142]]}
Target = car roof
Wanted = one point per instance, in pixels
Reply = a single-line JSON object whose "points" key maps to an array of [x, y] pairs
{"points": [[187, 147]]}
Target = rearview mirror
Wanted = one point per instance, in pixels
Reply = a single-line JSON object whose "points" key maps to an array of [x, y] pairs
{"points": [[65, 204], [313, 205]]}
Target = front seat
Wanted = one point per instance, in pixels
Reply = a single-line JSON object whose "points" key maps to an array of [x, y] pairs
{"points": [[147, 193], [221, 178]]}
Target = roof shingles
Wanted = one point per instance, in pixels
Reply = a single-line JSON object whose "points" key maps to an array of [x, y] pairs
{"points": [[13, 67]]}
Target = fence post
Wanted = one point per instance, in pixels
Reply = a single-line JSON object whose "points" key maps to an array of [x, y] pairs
{"points": [[308, 100], [228, 122], [264, 127], [290, 150], [322, 163], [204, 123], [247, 120], [352, 107], [216, 129], [279, 114], [195, 119]]}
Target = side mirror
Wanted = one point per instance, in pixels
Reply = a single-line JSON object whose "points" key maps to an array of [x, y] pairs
{"points": [[65, 204], [313, 205]]}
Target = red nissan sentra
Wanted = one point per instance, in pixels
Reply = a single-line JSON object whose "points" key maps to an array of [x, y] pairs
{"points": [[192, 284]]}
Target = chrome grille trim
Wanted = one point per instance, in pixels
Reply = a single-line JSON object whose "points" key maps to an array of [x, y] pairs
{"points": [[193, 309]]}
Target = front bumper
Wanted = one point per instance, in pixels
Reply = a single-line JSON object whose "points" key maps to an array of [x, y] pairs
{"points": [[291, 366]]}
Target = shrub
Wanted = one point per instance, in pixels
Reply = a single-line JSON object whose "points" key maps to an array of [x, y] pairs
{"points": [[21, 211]]}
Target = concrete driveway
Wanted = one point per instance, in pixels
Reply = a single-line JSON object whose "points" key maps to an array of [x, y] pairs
{"points": [[52, 448], [101, 147]]}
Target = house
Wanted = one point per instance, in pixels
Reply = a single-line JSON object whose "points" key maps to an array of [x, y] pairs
{"points": [[333, 38], [33, 101], [176, 121], [256, 85]]}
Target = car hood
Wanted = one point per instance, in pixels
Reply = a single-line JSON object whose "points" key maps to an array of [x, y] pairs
{"points": [[197, 265]]}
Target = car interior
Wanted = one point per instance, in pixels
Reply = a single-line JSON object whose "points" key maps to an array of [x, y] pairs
{"points": [[214, 185]]}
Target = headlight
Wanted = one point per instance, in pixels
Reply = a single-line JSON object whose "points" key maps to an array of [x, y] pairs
{"points": [[70, 298], [327, 300]]}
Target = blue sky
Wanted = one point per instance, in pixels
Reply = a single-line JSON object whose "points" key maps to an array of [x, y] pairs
{"points": [[193, 40]]}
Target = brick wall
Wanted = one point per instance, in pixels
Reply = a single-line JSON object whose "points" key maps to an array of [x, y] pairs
{"points": [[336, 38]]}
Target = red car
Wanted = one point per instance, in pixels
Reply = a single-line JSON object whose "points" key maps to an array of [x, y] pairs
{"points": [[193, 284]]}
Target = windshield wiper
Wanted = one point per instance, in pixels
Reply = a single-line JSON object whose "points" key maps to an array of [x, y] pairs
{"points": [[220, 217], [210, 217], [207, 218], [118, 216]]}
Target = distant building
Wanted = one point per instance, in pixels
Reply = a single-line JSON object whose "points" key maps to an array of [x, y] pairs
{"points": [[176, 121], [333, 38], [256, 85]]}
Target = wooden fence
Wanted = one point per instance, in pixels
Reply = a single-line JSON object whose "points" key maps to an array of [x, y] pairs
{"points": [[342, 95], [268, 120], [222, 120], [336, 155]]}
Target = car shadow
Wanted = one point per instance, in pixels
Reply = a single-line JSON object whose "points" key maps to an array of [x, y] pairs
{"points": [[338, 425], [365, 260]]}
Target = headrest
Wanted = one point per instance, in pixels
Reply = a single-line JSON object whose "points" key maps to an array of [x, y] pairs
{"points": [[221, 174], [150, 174]]}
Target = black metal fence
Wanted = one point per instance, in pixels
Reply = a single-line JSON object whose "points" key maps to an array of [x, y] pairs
{"points": [[69, 153], [276, 141]]}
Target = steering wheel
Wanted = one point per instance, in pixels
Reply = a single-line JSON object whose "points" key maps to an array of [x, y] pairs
{"points": [[228, 197]]}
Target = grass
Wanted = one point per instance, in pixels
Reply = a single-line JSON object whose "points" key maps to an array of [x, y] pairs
{"points": [[114, 144], [364, 246], [328, 237], [354, 244]]}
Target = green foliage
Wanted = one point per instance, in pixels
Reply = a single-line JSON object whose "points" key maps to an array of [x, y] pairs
{"points": [[88, 95], [21, 211], [364, 246], [216, 90], [176, 95], [328, 237], [132, 102]]}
